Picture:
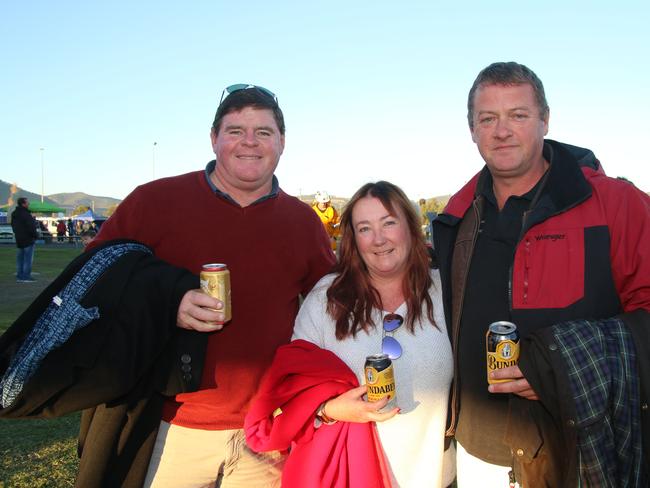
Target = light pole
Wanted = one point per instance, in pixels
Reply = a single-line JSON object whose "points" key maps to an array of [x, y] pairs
{"points": [[42, 176], [153, 161]]}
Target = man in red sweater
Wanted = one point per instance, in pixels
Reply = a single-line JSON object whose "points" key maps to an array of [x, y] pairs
{"points": [[232, 212]]}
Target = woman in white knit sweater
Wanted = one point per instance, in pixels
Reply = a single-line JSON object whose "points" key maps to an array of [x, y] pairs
{"points": [[384, 269]]}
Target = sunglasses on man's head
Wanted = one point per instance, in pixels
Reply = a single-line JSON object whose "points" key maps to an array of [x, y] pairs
{"points": [[389, 345], [246, 86]]}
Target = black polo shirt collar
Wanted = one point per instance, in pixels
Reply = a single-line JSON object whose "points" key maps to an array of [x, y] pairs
{"points": [[485, 187]]}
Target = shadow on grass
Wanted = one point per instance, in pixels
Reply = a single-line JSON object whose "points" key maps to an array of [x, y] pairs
{"points": [[38, 452]]}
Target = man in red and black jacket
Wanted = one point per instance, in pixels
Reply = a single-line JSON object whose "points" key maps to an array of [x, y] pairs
{"points": [[539, 236]]}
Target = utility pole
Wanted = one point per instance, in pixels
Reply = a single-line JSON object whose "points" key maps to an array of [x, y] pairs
{"points": [[42, 176], [153, 161]]}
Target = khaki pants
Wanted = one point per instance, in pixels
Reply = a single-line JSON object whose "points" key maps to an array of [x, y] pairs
{"points": [[195, 458]]}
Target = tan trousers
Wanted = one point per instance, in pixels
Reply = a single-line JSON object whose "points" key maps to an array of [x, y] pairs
{"points": [[195, 458]]}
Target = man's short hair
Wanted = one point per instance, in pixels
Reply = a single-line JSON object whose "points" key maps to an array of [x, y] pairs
{"points": [[509, 73], [250, 97], [22, 201]]}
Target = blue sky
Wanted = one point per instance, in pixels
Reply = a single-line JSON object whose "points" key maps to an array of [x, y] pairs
{"points": [[370, 90]]}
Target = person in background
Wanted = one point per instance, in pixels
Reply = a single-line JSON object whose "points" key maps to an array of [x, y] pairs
{"points": [[227, 213], [382, 297], [425, 216], [542, 238], [25, 227], [71, 231], [87, 236], [328, 215], [60, 231]]}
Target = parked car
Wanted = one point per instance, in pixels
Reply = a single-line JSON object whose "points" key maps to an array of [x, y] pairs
{"points": [[7, 234]]}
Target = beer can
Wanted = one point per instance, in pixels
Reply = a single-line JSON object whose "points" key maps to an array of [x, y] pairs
{"points": [[380, 379], [502, 347], [215, 281]]}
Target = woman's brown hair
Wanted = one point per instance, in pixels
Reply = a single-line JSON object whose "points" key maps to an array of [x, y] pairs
{"points": [[351, 296]]}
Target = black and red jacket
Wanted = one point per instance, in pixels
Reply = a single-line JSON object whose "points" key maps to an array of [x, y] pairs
{"points": [[583, 251]]}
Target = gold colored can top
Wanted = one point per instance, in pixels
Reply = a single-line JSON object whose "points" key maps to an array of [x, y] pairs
{"points": [[214, 267]]}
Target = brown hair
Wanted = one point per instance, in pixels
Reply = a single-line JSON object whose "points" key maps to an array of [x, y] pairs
{"points": [[351, 296], [509, 73], [250, 97]]}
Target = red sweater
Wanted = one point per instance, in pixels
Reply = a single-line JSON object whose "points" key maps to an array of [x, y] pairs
{"points": [[340, 455], [276, 250]]}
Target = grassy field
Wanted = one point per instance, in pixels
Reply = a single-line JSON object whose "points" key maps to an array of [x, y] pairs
{"points": [[40, 452]]}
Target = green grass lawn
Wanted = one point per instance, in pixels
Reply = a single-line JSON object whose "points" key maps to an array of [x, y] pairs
{"points": [[39, 452]]}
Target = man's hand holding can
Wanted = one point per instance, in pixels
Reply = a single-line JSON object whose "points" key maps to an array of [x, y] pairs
{"points": [[512, 381], [201, 312]]}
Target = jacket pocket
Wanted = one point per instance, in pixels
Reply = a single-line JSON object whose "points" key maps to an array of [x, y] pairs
{"points": [[549, 269]]}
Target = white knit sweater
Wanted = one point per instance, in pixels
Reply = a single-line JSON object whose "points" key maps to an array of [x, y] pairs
{"points": [[414, 439]]}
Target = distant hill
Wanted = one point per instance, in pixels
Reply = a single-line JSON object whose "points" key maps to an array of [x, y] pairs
{"points": [[9, 197], [67, 201], [73, 200]]}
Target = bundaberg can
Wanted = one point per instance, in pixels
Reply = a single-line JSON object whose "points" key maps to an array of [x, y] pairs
{"points": [[215, 281], [380, 379], [502, 347]]}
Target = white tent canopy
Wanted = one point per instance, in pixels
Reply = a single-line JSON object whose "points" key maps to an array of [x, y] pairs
{"points": [[87, 216]]}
